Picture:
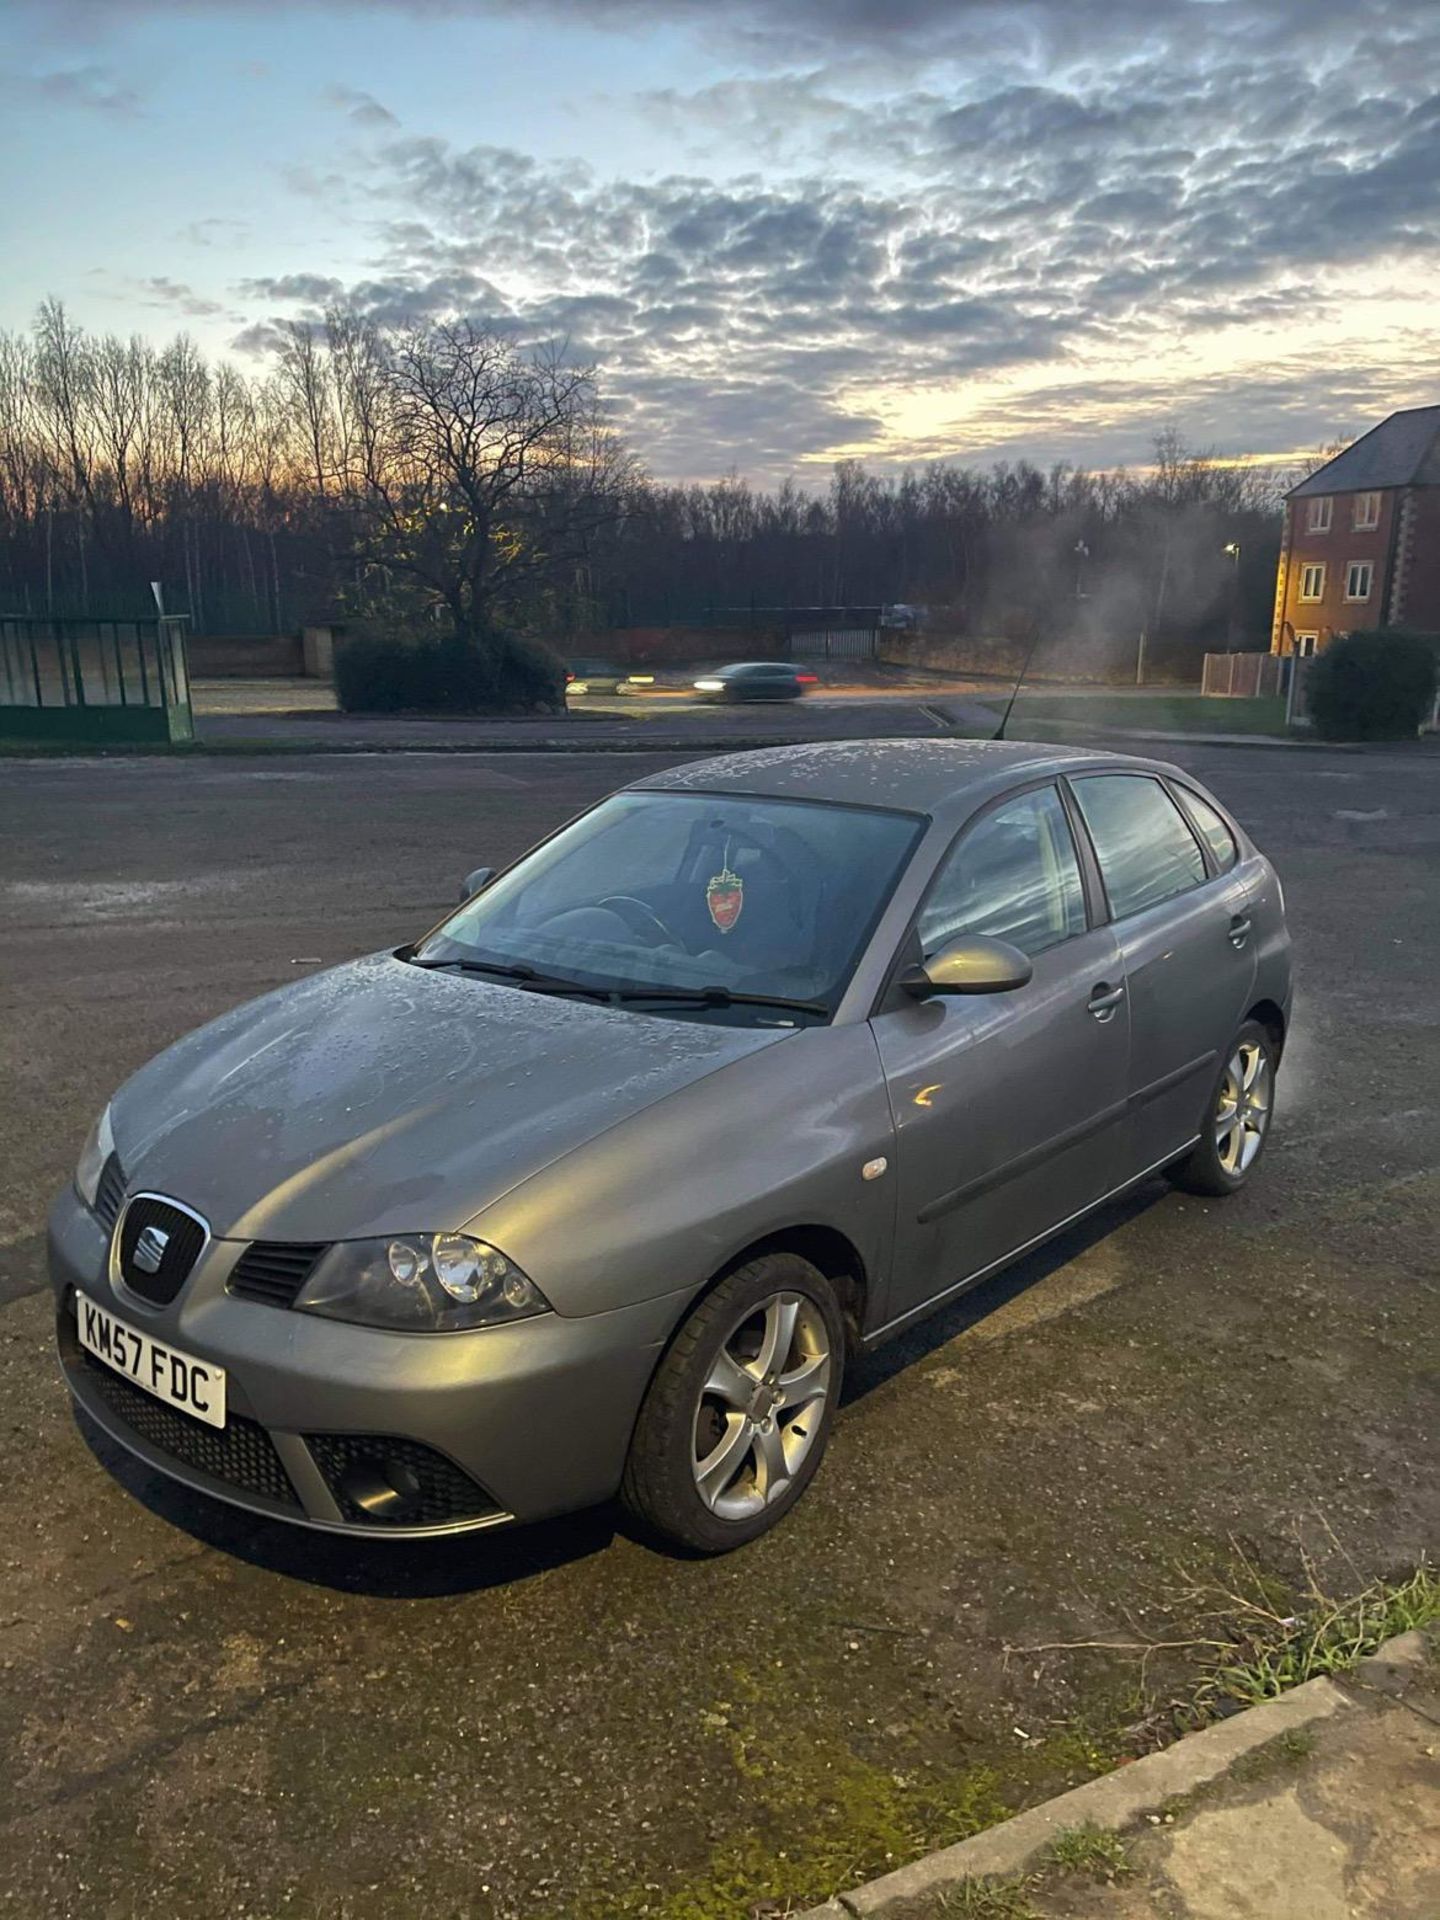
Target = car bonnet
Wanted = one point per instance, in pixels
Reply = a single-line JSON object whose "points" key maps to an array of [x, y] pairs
{"points": [[378, 1097]]}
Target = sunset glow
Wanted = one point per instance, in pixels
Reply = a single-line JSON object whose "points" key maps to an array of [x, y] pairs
{"points": [[954, 228]]}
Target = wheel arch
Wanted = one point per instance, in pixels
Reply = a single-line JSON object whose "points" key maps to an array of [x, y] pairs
{"points": [[826, 1248], [1270, 1015]]}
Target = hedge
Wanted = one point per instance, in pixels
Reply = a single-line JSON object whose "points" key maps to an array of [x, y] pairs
{"points": [[1378, 685], [385, 672]]}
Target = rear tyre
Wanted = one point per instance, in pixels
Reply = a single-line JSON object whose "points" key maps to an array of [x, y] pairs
{"points": [[1237, 1117], [737, 1418]]}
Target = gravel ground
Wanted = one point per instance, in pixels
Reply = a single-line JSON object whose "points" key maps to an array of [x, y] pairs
{"points": [[199, 1713]]}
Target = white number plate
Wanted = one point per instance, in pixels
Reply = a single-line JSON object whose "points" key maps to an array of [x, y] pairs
{"points": [[194, 1386]]}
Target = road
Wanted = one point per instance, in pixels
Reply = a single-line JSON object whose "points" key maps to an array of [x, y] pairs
{"points": [[202, 1714], [232, 713]]}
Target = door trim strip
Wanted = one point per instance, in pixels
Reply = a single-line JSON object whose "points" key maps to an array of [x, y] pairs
{"points": [[1022, 1162], [938, 1300], [1174, 1078], [1071, 1137]]}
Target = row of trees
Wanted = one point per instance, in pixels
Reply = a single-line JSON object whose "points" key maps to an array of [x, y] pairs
{"points": [[443, 474]]}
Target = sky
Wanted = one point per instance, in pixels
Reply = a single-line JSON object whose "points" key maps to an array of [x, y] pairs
{"points": [[786, 231]]}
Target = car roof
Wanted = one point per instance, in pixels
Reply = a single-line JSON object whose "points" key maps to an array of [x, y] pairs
{"points": [[748, 666], [920, 776]]}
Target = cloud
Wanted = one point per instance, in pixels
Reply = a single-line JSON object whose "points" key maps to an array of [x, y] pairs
{"points": [[215, 230], [361, 108], [995, 202], [1018, 229], [94, 89]]}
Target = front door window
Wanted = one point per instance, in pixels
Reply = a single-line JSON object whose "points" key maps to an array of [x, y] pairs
{"points": [[1014, 876]]}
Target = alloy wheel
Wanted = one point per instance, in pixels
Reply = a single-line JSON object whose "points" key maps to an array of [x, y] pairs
{"points": [[762, 1406], [1242, 1114]]}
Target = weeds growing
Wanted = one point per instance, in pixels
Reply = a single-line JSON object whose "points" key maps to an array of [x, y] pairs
{"points": [[1089, 1849], [1269, 1651]]}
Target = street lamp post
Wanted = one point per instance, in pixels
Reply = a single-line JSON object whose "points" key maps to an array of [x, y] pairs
{"points": [[1232, 550]]}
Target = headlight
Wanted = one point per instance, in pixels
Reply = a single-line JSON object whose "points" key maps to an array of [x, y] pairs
{"points": [[709, 686], [93, 1155], [421, 1282]]}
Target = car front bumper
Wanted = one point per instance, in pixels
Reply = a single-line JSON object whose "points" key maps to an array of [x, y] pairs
{"points": [[501, 1424]]}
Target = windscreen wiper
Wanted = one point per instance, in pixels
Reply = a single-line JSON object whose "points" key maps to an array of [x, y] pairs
{"points": [[534, 982], [523, 976], [719, 997]]}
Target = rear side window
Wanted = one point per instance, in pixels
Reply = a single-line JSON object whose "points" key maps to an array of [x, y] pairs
{"points": [[1013, 876], [1211, 828], [1146, 852]]}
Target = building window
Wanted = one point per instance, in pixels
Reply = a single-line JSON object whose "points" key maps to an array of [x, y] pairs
{"points": [[1305, 644], [1358, 576], [1367, 512], [1319, 520], [1312, 579]]}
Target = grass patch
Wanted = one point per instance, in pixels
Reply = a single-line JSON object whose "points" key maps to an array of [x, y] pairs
{"points": [[1270, 1651], [1287, 1749], [989, 1900], [1160, 711], [823, 1819], [1089, 1849]]}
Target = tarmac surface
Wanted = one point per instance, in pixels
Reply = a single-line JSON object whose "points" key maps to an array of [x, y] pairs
{"points": [[201, 1713]]}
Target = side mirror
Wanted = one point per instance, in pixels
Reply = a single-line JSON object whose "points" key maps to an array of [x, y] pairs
{"points": [[970, 964], [474, 882]]}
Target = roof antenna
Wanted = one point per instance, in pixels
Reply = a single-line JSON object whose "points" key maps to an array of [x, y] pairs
{"points": [[999, 733]]}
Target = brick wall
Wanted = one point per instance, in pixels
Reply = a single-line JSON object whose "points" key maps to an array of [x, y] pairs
{"points": [[1416, 603], [265, 656], [1333, 548]]}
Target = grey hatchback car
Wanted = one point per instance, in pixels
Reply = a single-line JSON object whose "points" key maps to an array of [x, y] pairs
{"points": [[596, 1187]]}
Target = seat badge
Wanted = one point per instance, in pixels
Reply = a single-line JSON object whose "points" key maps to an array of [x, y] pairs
{"points": [[725, 897], [150, 1250]]}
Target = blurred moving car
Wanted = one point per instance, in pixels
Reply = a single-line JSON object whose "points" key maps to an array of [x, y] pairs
{"points": [[757, 680], [602, 676]]}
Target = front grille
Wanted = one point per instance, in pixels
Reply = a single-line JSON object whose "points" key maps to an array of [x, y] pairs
{"points": [[273, 1271], [183, 1237], [241, 1453], [110, 1193], [444, 1492]]}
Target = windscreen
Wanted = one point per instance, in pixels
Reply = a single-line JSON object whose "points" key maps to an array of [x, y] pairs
{"points": [[692, 890]]}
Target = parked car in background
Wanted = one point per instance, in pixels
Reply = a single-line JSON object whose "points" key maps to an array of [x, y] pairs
{"points": [[602, 676], [757, 680], [598, 1186]]}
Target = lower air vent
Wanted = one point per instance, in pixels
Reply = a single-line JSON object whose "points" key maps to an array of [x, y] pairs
{"points": [[274, 1271], [241, 1453]]}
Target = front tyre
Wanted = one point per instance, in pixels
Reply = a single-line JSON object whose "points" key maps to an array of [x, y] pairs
{"points": [[1237, 1120], [738, 1414]]}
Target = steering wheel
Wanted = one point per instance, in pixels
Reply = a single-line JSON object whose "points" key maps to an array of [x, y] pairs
{"points": [[639, 918]]}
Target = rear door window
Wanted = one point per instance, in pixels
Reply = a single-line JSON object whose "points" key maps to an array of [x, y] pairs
{"points": [[1212, 829], [1146, 851]]}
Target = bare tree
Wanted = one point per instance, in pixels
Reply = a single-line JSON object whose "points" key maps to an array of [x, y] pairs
{"points": [[471, 469]]}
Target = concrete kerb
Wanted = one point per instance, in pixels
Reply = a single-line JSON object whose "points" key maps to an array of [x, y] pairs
{"points": [[1120, 1799]]}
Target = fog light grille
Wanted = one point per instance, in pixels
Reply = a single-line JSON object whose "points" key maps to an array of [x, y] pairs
{"points": [[432, 1491]]}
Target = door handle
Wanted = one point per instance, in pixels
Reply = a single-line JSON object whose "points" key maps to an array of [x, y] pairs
{"points": [[1104, 1000], [1239, 930]]}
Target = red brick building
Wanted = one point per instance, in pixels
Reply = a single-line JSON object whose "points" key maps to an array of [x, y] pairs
{"points": [[1361, 543]]}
